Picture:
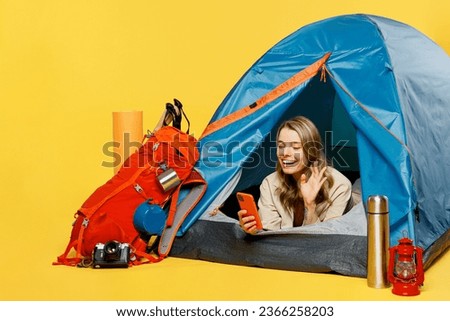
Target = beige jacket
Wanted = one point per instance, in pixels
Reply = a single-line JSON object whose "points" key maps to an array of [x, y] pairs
{"points": [[274, 216]]}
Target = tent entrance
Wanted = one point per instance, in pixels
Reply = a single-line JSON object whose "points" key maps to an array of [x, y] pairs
{"points": [[319, 102]]}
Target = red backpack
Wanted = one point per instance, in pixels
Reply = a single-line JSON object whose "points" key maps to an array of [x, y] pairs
{"points": [[153, 174]]}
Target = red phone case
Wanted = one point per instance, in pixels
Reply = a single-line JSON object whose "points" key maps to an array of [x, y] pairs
{"points": [[246, 202]]}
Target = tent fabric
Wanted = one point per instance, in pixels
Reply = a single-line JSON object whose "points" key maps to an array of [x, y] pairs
{"points": [[294, 252], [381, 102], [304, 248], [280, 90]]}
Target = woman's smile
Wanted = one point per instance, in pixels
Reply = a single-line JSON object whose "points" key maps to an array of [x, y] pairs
{"points": [[290, 151]]}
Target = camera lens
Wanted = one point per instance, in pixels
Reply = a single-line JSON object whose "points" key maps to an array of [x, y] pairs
{"points": [[112, 250], [111, 247]]}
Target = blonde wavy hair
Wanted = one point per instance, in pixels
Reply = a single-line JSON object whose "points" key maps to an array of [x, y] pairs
{"points": [[313, 154]]}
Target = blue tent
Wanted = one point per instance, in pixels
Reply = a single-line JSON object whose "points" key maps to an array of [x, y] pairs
{"points": [[379, 92]]}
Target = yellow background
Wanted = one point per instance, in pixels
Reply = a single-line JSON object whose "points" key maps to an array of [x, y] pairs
{"points": [[66, 65]]}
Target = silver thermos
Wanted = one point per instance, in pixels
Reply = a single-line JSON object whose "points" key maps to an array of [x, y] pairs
{"points": [[377, 241]]}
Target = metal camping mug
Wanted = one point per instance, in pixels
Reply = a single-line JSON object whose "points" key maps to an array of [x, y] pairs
{"points": [[168, 179], [377, 241]]}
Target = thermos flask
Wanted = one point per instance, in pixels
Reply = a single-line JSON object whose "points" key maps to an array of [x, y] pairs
{"points": [[377, 241]]}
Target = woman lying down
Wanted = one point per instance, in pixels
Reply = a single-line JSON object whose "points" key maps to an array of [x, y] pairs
{"points": [[303, 190]]}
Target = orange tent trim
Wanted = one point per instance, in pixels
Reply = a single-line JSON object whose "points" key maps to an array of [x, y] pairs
{"points": [[279, 91]]}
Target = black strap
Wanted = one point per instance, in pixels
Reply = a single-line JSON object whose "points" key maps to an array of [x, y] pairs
{"points": [[174, 115], [179, 105]]}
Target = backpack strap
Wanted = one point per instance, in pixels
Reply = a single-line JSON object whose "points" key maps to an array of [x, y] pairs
{"points": [[173, 206], [182, 211], [160, 247], [179, 105], [172, 116], [139, 253], [63, 259], [87, 212]]}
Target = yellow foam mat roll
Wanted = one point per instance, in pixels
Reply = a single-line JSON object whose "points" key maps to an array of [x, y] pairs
{"points": [[127, 135]]}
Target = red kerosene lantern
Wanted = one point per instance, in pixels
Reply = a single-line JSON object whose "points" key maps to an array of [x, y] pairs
{"points": [[405, 270]]}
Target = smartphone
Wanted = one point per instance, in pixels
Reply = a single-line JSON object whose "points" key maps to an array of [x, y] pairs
{"points": [[247, 202]]}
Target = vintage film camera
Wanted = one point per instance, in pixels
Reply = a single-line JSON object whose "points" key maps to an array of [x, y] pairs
{"points": [[112, 254]]}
